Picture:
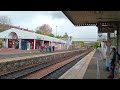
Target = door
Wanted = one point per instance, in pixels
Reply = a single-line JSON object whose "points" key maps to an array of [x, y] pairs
{"points": [[10, 43]]}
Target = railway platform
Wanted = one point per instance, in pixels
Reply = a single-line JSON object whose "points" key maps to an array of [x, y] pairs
{"points": [[11, 68], [91, 66], [13, 53]]}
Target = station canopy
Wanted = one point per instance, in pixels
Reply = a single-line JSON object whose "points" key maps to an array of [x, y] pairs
{"points": [[88, 18]]}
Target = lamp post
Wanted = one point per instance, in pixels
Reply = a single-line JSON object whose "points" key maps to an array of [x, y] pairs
{"points": [[56, 30]]}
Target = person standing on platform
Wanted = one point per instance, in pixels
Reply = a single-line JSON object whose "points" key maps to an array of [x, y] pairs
{"points": [[49, 47], [112, 63], [42, 48], [53, 47], [46, 48]]}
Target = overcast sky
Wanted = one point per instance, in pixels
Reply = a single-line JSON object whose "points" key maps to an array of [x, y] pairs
{"points": [[32, 19]]}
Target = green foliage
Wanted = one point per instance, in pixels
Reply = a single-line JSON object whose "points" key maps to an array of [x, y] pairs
{"points": [[96, 45], [0, 42], [81, 43], [38, 32], [58, 37], [51, 35], [42, 30], [65, 35], [1, 30], [73, 42]]}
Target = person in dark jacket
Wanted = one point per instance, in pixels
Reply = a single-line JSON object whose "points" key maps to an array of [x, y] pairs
{"points": [[53, 47], [49, 47], [112, 64]]}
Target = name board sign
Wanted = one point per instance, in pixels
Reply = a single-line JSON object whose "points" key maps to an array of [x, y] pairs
{"points": [[105, 29]]}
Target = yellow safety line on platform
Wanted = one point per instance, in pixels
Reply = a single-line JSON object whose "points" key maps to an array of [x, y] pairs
{"points": [[79, 69]]}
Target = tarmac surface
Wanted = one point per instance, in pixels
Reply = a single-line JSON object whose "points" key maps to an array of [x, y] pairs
{"points": [[96, 68]]}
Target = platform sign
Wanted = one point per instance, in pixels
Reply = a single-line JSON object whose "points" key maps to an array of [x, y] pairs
{"points": [[105, 28]]}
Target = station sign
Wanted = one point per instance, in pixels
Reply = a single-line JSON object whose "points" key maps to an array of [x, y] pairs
{"points": [[105, 28]]}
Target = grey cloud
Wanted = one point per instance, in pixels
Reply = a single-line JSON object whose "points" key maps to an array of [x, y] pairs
{"points": [[53, 14], [58, 15], [26, 19]]}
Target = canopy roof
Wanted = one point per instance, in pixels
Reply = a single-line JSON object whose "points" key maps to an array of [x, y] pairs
{"points": [[87, 18]]}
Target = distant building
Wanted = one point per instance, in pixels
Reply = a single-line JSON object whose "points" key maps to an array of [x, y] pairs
{"points": [[85, 39], [26, 40]]}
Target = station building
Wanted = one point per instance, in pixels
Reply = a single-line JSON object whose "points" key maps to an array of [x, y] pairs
{"points": [[26, 40]]}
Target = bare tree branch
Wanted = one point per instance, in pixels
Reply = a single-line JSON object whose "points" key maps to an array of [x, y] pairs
{"points": [[45, 29], [4, 23]]}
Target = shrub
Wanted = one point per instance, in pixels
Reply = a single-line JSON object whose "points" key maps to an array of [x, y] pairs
{"points": [[0, 42]]}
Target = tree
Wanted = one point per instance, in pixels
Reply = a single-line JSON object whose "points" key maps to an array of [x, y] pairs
{"points": [[96, 45], [38, 32], [45, 29], [81, 43], [4, 23], [58, 36], [73, 42], [1, 43], [65, 35], [51, 35], [5, 20]]}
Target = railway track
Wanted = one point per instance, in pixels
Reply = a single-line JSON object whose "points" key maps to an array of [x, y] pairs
{"points": [[62, 69], [43, 69]]}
